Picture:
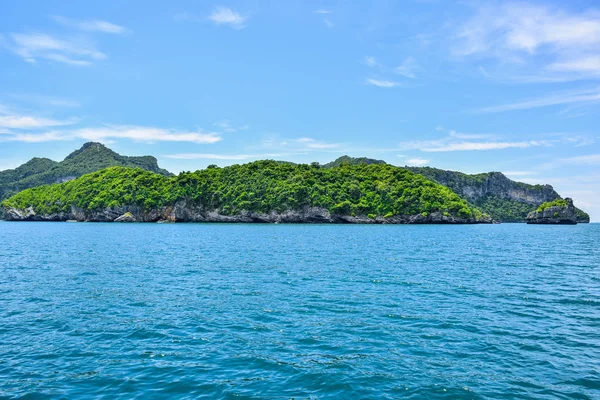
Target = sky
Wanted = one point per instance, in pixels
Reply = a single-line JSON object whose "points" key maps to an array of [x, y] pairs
{"points": [[468, 86]]}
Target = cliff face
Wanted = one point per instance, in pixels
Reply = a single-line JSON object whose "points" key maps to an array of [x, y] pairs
{"points": [[185, 212], [560, 212], [504, 199]]}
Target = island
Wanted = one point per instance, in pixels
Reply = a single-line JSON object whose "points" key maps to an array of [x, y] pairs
{"points": [[260, 191], [556, 212]]}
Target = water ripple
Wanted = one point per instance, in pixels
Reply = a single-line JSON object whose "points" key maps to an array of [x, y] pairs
{"points": [[282, 311]]}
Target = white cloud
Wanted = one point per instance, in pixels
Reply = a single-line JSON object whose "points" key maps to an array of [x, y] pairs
{"points": [[534, 37], [226, 16], [317, 144], [469, 146], [328, 23], [371, 61], [34, 46], [417, 162], [132, 132], [36, 137], [146, 134], [591, 159], [30, 122], [459, 135], [407, 68], [205, 156], [462, 142], [323, 11], [579, 97], [93, 25], [43, 100], [382, 83], [519, 173], [584, 64], [225, 126]]}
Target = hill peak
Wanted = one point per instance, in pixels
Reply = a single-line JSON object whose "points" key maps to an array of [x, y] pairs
{"points": [[90, 147]]}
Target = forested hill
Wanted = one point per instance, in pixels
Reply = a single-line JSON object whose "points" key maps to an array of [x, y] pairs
{"points": [[502, 198], [261, 191], [352, 161], [90, 158]]}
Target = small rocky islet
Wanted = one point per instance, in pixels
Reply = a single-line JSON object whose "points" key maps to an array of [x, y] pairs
{"points": [[557, 212], [96, 184]]}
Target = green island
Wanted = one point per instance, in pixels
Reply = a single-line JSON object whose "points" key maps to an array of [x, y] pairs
{"points": [[89, 158], [378, 192], [553, 203], [347, 189]]}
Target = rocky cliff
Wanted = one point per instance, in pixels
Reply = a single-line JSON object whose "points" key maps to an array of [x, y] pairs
{"points": [[504, 199], [557, 212], [186, 212]]}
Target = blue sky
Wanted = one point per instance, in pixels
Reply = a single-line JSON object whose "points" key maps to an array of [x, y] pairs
{"points": [[468, 86]]}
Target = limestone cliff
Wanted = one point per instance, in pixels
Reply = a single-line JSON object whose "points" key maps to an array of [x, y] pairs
{"points": [[504, 199], [557, 212], [185, 212]]}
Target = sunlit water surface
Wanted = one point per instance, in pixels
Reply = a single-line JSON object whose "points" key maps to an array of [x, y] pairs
{"points": [[299, 311]]}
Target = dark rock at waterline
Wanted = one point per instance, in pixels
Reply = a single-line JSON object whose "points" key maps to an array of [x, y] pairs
{"points": [[554, 215]]}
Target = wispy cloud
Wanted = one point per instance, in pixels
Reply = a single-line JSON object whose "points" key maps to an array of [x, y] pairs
{"points": [[9, 119], [382, 83], [456, 141], [460, 135], [34, 46], [92, 25], [328, 23], [227, 127], [371, 62], [43, 100], [542, 39], [226, 16], [323, 11], [591, 159], [146, 134], [589, 64], [209, 156], [407, 68], [131, 132], [470, 146], [519, 173], [417, 162], [579, 97], [317, 144], [30, 122]]}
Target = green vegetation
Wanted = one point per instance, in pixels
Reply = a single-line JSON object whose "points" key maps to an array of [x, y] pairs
{"points": [[262, 186], [352, 161], [491, 192], [91, 157], [505, 210], [581, 216], [553, 203]]}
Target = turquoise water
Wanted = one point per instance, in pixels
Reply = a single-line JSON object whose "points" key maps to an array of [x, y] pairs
{"points": [[299, 311]]}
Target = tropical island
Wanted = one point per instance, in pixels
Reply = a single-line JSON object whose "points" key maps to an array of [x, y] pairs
{"points": [[348, 190]]}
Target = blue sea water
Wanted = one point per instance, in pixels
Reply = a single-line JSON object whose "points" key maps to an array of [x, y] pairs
{"points": [[299, 311]]}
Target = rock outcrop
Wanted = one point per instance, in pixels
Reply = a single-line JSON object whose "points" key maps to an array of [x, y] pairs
{"points": [[558, 212], [504, 199], [127, 217], [183, 212]]}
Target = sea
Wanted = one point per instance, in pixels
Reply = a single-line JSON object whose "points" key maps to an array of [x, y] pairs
{"points": [[263, 311]]}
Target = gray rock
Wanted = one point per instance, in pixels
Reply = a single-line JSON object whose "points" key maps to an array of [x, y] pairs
{"points": [[556, 215], [127, 217]]}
